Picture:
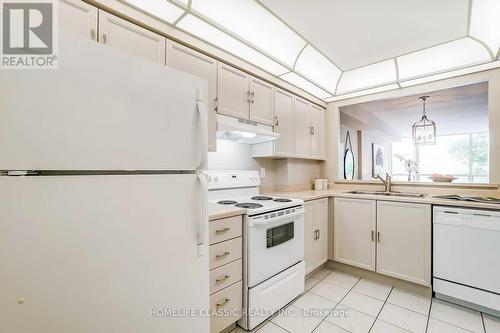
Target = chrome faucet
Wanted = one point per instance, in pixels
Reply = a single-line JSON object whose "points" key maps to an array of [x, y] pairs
{"points": [[387, 182]]}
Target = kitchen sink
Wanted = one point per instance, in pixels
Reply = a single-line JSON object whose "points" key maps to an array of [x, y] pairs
{"points": [[388, 194]]}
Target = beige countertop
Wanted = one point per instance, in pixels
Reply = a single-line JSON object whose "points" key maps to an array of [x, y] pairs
{"points": [[216, 212], [427, 199]]}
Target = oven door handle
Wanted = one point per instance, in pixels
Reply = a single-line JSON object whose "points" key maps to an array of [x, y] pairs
{"points": [[258, 223]]}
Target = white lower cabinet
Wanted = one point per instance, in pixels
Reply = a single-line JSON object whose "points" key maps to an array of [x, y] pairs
{"points": [[315, 234], [226, 271], [404, 241], [354, 223], [390, 238]]}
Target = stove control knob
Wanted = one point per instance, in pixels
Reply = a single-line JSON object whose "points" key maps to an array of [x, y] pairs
{"points": [[209, 178], [216, 179]]}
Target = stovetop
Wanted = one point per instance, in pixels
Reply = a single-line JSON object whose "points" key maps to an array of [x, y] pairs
{"points": [[259, 203]]}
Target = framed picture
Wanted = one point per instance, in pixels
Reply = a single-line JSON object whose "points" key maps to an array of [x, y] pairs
{"points": [[379, 162]]}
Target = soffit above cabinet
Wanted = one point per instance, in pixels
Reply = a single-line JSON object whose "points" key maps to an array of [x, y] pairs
{"points": [[336, 49]]}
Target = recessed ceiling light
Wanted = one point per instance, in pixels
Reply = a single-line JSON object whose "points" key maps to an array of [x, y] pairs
{"points": [[362, 93], [161, 9], [368, 76], [205, 31], [303, 84], [452, 55], [253, 23], [316, 67]]}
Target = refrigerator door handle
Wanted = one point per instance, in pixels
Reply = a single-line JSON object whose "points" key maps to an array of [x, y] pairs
{"points": [[204, 134], [203, 220]]}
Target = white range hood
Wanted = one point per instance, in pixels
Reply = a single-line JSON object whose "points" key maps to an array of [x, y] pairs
{"points": [[244, 131]]}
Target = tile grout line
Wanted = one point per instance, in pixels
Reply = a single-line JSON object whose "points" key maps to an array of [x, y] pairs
{"points": [[429, 316], [482, 319], [338, 303], [380, 311]]}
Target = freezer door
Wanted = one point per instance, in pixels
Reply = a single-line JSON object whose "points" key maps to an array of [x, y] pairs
{"points": [[101, 110], [102, 254]]}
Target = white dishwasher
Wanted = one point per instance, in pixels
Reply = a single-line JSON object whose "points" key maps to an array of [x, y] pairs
{"points": [[466, 257]]}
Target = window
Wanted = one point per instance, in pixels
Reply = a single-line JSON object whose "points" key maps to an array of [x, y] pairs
{"points": [[464, 156]]}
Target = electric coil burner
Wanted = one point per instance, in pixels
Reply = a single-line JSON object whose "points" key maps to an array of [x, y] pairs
{"points": [[227, 202], [282, 200], [261, 198], [249, 205]]}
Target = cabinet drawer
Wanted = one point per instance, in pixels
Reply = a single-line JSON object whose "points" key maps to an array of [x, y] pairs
{"points": [[225, 276], [225, 252], [229, 299], [224, 229]]}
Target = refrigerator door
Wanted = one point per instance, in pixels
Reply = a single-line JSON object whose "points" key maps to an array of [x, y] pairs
{"points": [[103, 254], [102, 110]]}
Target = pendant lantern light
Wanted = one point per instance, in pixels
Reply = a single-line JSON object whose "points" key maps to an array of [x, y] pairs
{"points": [[424, 130]]}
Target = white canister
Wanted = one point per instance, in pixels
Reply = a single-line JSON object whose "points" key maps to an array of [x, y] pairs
{"points": [[318, 184], [325, 184]]}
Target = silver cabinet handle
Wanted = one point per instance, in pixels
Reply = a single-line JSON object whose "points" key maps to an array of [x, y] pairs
{"points": [[226, 300], [276, 121], [222, 279], [104, 38], [216, 104], [312, 129], [92, 34], [373, 236], [222, 255], [248, 96], [252, 94], [218, 231], [319, 234], [378, 237]]}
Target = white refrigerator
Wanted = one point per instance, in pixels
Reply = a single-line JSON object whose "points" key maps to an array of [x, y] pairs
{"points": [[102, 200]]}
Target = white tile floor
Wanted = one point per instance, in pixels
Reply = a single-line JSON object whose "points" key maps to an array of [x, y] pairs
{"points": [[336, 302]]}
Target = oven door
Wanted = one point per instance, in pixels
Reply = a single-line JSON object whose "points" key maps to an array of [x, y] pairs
{"points": [[275, 241]]}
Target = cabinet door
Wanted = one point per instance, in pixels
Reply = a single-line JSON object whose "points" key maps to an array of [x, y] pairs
{"points": [[261, 101], [78, 18], [404, 241], [354, 232], [233, 92], [301, 124], [321, 225], [318, 135], [196, 63], [309, 236], [131, 38], [283, 111]]}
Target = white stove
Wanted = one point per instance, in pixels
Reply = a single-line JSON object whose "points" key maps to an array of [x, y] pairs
{"points": [[273, 241]]}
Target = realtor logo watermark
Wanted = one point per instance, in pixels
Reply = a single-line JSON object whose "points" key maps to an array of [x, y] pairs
{"points": [[29, 36]]}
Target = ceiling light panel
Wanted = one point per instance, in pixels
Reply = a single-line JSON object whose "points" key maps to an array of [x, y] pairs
{"points": [[252, 22], [316, 67], [302, 83], [368, 76], [161, 9], [453, 55], [222, 40], [459, 72], [485, 23], [363, 93]]}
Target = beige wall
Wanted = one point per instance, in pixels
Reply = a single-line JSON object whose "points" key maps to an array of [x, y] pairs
{"points": [[330, 169]]}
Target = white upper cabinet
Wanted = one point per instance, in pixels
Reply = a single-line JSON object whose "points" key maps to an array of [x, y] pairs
{"points": [[233, 92], [190, 61], [354, 227], [317, 132], [404, 241], [283, 111], [302, 128], [261, 101], [128, 37], [78, 18]]}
